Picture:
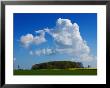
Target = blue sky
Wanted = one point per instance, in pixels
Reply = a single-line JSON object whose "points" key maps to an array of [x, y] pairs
{"points": [[28, 23]]}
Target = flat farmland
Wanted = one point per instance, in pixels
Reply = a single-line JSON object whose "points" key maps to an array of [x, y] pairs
{"points": [[71, 71]]}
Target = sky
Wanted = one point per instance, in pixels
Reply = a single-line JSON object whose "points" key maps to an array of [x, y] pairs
{"points": [[43, 37]]}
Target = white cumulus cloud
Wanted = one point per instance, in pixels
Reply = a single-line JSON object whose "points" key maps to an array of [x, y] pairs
{"points": [[63, 24], [45, 51], [29, 39], [66, 36], [86, 57]]}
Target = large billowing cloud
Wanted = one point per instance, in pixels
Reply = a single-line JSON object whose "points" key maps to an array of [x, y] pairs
{"points": [[67, 38], [67, 35]]}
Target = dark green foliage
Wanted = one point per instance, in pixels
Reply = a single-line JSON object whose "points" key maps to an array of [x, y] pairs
{"points": [[57, 65]]}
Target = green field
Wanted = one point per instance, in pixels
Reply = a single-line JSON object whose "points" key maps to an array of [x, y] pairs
{"points": [[71, 71]]}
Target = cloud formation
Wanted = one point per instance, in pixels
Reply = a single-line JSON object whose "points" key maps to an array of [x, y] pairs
{"points": [[67, 38], [28, 39], [39, 39], [67, 34], [45, 51]]}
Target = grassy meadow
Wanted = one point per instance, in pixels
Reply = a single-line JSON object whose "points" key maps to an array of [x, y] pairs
{"points": [[69, 71]]}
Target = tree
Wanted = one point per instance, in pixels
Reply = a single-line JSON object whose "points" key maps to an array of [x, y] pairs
{"points": [[18, 67], [89, 66]]}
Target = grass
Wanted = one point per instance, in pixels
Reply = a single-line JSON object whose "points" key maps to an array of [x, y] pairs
{"points": [[70, 71]]}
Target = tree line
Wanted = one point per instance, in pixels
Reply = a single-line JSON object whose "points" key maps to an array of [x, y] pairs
{"points": [[58, 65]]}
